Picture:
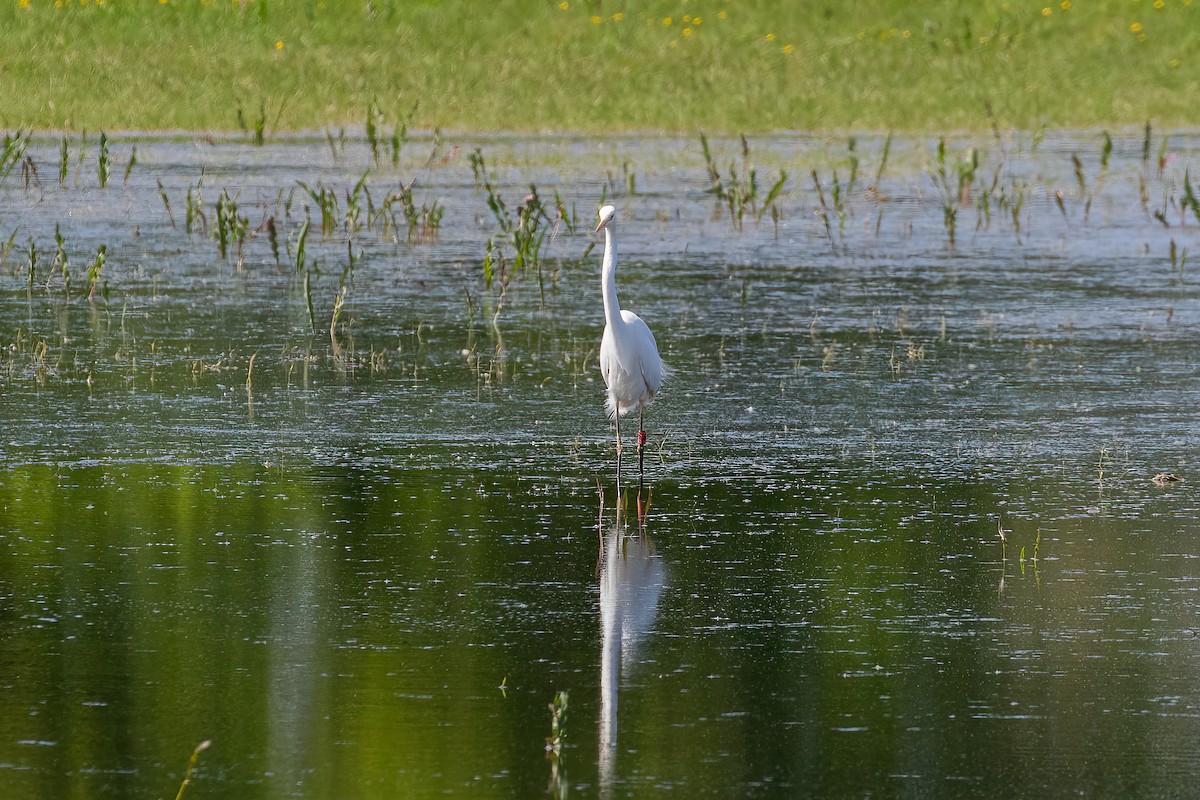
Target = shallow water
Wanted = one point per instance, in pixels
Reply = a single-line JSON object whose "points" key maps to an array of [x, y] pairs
{"points": [[901, 534]]}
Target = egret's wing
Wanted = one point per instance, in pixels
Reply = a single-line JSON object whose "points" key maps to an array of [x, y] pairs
{"points": [[641, 357]]}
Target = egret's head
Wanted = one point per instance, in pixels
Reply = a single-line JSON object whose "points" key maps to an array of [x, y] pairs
{"points": [[606, 215]]}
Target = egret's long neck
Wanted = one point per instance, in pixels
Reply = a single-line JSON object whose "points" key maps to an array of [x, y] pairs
{"points": [[608, 278]]}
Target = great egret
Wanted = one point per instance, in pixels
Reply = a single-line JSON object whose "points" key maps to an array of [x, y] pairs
{"points": [[629, 360]]}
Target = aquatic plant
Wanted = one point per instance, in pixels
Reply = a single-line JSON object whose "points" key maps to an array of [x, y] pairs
{"points": [[61, 261], [7, 246], [1106, 149], [232, 227], [93, 275], [740, 192], [64, 162], [1178, 260], [250, 373], [272, 237], [353, 204], [103, 167], [436, 150], [326, 202], [873, 191], [12, 152], [400, 134], [194, 218], [526, 232], [1189, 196], [130, 165], [628, 183], [260, 126], [343, 290], [31, 256], [954, 185], [191, 766], [166, 201], [29, 173], [423, 224], [823, 211], [1102, 464], [258, 134], [883, 159], [372, 129], [308, 301], [298, 252]]}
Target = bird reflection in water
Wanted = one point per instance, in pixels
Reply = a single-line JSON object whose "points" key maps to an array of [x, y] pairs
{"points": [[631, 579]]}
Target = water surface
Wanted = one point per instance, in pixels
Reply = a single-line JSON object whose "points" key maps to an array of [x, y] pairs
{"points": [[899, 536]]}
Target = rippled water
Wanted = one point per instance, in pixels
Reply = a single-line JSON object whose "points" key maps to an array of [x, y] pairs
{"points": [[900, 536]]}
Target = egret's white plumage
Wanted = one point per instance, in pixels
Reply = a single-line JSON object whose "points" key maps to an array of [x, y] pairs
{"points": [[629, 360]]}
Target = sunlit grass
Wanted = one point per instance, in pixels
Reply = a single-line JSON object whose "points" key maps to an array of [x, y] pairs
{"points": [[684, 65]]}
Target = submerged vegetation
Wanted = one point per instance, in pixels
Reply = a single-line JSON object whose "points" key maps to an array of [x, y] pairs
{"points": [[718, 66]]}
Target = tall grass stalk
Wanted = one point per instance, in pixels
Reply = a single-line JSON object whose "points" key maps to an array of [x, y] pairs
{"points": [[31, 259], [64, 162], [103, 166], [166, 201], [93, 275], [12, 152], [61, 261], [129, 167], [187, 775], [232, 227]]}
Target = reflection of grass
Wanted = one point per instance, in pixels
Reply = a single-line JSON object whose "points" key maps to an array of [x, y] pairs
{"points": [[717, 66]]}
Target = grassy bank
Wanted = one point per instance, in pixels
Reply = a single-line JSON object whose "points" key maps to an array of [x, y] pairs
{"points": [[678, 65]]}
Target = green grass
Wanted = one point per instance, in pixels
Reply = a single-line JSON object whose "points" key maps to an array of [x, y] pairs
{"points": [[592, 66]]}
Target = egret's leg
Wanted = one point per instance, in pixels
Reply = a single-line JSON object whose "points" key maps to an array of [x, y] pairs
{"points": [[641, 443], [617, 409]]}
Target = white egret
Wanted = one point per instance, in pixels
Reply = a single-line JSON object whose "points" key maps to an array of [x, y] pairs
{"points": [[629, 360]]}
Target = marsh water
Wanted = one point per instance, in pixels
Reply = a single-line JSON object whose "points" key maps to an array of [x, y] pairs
{"points": [[900, 532]]}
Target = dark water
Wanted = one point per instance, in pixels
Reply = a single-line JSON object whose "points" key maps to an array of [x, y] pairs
{"points": [[900, 534]]}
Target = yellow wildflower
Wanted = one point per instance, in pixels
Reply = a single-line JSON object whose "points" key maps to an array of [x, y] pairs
{"points": [[722, 14], [564, 5], [1065, 5], [595, 19], [617, 17], [686, 31], [279, 44], [1046, 11], [787, 48], [770, 37], [666, 20], [1135, 27], [1159, 4]]}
